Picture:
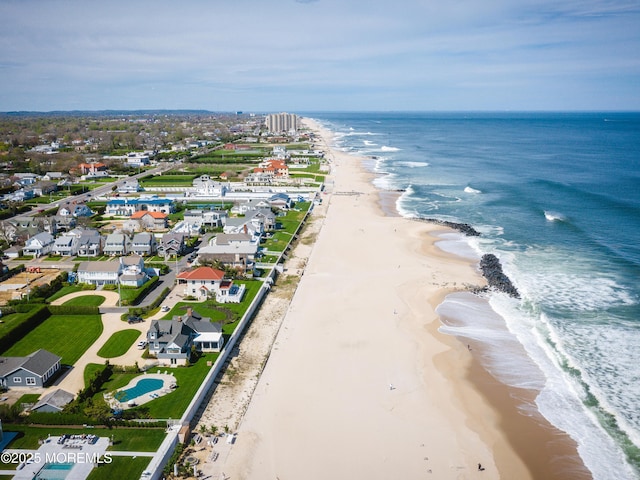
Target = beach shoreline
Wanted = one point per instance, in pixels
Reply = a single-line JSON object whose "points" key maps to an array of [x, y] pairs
{"points": [[368, 379]]}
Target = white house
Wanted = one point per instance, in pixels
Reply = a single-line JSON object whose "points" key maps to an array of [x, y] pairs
{"points": [[38, 245], [201, 282], [65, 245]]}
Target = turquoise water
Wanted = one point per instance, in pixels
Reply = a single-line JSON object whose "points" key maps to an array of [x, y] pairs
{"points": [[143, 386], [556, 197], [54, 471]]}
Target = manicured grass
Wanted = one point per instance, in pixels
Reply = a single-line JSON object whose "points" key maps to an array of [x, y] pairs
{"points": [[68, 336], [86, 300], [65, 291], [120, 467], [208, 308], [118, 343], [278, 242], [124, 439], [171, 405]]}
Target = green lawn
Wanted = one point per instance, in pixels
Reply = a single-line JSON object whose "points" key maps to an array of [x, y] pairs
{"points": [[175, 403], [124, 439], [86, 301], [118, 343], [120, 467], [65, 291], [219, 312], [68, 336]]}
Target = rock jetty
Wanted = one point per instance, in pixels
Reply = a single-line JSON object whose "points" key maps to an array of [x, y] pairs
{"points": [[492, 271], [465, 228]]}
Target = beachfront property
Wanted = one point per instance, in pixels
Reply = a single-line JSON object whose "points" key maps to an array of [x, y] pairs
{"points": [[170, 341], [198, 218], [281, 122], [208, 282], [34, 370]]}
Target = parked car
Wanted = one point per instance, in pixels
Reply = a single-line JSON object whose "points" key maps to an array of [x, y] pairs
{"points": [[135, 319], [165, 308], [142, 344]]}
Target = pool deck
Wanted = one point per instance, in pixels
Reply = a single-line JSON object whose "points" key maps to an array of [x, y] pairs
{"points": [[83, 453], [167, 378]]}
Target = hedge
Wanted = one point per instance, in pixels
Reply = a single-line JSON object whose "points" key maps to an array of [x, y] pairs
{"points": [[142, 291], [31, 320], [73, 310]]}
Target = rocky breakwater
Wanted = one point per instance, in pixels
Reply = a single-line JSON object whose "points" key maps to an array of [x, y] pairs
{"points": [[492, 270], [464, 228]]}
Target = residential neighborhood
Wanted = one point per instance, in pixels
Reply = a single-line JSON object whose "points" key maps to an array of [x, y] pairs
{"points": [[154, 260]]}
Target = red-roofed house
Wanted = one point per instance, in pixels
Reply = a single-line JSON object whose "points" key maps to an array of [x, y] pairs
{"points": [[92, 167], [146, 220], [205, 282], [274, 167]]}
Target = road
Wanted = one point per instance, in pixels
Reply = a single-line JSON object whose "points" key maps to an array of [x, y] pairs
{"points": [[96, 192]]}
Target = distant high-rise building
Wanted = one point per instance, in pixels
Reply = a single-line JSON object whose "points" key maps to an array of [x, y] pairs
{"points": [[281, 122]]}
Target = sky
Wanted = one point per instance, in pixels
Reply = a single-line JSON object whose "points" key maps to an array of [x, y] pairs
{"points": [[320, 55]]}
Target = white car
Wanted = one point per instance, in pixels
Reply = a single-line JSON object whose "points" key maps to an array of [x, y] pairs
{"points": [[165, 308], [142, 344]]}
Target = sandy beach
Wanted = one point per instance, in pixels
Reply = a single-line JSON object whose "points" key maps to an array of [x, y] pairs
{"points": [[360, 383]]}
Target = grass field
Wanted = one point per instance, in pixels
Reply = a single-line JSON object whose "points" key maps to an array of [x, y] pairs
{"points": [[86, 301], [175, 403], [124, 439], [68, 336], [120, 467], [118, 343]]}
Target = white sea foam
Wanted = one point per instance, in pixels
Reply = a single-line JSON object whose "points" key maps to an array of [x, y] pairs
{"points": [[369, 143], [457, 244], [385, 148], [412, 164], [554, 216], [468, 189]]}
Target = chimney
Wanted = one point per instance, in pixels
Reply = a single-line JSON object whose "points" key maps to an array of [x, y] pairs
{"points": [[189, 312]]}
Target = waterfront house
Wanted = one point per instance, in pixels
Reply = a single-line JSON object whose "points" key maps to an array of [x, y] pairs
{"points": [[34, 370], [170, 341], [38, 245], [201, 282]]}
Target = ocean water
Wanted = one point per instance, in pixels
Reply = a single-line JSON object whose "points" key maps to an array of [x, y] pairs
{"points": [[556, 197]]}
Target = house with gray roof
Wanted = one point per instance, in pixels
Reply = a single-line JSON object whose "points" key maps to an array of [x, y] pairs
{"points": [[34, 370], [143, 243], [38, 245], [65, 245], [115, 244], [53, 402], [171, 340], [90, 243], [99, 273]]}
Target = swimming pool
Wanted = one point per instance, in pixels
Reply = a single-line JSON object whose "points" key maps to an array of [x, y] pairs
{"points": [[144, 385], [54, 471]]}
